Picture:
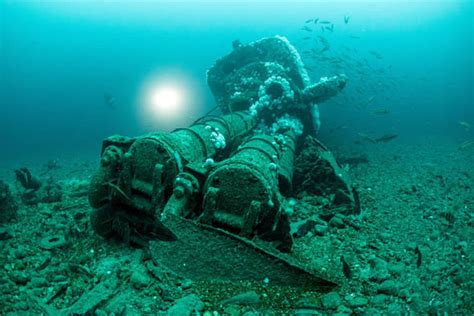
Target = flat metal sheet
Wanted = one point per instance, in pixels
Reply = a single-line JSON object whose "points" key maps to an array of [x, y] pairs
{"points": [[203, 252]]}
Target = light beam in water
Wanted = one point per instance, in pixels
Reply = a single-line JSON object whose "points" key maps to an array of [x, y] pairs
{"points": [[168, 100]]}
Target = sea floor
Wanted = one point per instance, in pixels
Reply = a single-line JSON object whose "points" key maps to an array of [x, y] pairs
{"points": [[408, 252]]}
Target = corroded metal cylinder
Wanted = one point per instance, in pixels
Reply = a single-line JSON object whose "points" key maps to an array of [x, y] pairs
{"points": [[139, 173], [242, 193]]}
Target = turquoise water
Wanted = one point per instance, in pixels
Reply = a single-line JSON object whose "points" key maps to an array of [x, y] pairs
{"points": [[59, 59]]}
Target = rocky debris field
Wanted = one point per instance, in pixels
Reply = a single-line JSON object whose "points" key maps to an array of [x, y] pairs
{"points": [[409, 251]]}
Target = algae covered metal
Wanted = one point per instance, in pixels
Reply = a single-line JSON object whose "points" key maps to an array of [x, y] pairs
{"points": [[243, 192], [269, 78], [213, 194], [139, 173]]}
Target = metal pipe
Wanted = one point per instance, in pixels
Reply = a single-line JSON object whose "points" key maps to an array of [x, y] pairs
{"points": [[139, 173], [242, 193]]}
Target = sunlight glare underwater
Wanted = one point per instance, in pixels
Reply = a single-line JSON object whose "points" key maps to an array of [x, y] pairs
{"points": [[168, 99]]}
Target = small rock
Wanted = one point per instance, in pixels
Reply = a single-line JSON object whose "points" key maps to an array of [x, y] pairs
{"points": [[308, 302], [404, 293], [462, 246], [131, 310], [372, 311], [187, 284], [247, 298], [460, 278], [255, 313], [307, 306], [8, 204], [358, 301], [337, 221], [395, 309], [331, 300], [384, 236], [417, 305], [38, 282], [45, 210], [396, 269], [379, 300], [306, 312], [185, 306], [5, 233], [20, 252], [51, 242], [378, 270], [411, 246], [454, 269], [302, 228], [438, 266], [60, 278], [100, 312], [343, 311], [320, 230], [139, 279], [232, 310], [389, 287], [20, 277]]}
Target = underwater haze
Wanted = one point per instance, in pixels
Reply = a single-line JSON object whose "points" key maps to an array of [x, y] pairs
{"points": [[236, 157], [59, 60]]}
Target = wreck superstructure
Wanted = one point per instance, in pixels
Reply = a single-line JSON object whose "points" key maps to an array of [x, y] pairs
{"points": [[224, 177]]}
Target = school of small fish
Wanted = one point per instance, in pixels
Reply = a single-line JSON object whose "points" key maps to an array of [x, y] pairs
{"points": [[375, 82]]}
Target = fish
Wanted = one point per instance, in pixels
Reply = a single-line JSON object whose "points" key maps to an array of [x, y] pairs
{"points": [[346, 269], [324, 22], [367, 138], [465, 125], [308, 21], [323, 40], [330, 28], [466, 144], [371, 99], [381, 111], [109, 100], [346, 19], [338, 128], [375, 54], [306, 28], [325, 48], [386, 138], [336, 61], [316, 21], [306, 38]]}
